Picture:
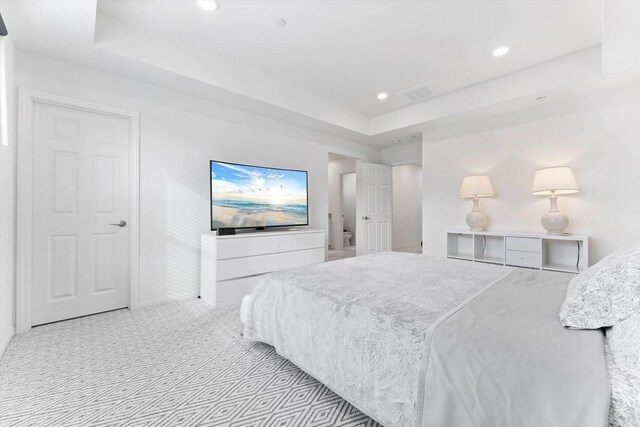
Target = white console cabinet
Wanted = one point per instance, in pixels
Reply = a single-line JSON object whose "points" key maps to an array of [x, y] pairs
{"points": [[566, 253], [230, 266]]}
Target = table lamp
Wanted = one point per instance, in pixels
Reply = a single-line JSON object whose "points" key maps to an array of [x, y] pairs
{"points": [[554, 182], [476, 186]]}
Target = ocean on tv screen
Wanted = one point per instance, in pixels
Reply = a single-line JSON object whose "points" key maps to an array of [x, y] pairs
{"points": [[251, 196]]}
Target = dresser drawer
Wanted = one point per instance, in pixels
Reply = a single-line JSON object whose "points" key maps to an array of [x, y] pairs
{"points": [[523, 259], [246, 246], [302, 241], [248, 266], [301, 258], [267, 244], [526, 244]]}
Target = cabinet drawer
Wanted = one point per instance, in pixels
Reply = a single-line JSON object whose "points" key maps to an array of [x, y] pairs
{"points": [[229, 292], [246, 246], [527, 244], [266, 244], [297, 242], [523, 259], [301, 258], [249, 266]]}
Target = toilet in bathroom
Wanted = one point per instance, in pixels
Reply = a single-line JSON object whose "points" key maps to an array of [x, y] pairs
{"points": [[347, 239]]}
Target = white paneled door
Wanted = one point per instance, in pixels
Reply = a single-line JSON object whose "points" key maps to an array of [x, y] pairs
{"points": [[373, 208], [80, 255]]}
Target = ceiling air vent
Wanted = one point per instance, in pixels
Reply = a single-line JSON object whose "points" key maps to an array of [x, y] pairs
{"points": [[418, 93]]}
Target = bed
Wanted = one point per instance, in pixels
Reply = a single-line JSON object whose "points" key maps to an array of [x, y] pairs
{"points": [[412, 340]]}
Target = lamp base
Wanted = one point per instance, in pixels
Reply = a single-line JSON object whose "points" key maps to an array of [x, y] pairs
{"points": [[554, 221], [476, 220]]}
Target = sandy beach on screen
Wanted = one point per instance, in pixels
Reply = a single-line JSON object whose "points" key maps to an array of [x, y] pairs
{"points": [[227, 217]]}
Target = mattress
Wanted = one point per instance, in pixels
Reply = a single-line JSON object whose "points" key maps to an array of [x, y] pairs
{"points": [[415, 340]]}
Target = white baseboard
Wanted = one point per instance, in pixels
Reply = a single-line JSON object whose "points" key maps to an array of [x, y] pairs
{"points": [[5, 338], [155, 302], [413, 248]]}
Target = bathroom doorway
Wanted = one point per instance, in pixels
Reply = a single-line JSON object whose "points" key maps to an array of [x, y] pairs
{"points": [[348, 190], [342, 207]]}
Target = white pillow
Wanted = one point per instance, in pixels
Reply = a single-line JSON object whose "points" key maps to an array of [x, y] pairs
{"points": [[604, 294]]}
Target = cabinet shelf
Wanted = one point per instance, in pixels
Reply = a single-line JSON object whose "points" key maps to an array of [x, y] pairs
{"points": [[566, 253], [490, 259], [465, 258], [564, 268], [460, 246]]}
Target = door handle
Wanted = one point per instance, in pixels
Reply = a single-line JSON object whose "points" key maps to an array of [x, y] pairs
{"points": [[120, 224], [365, 218]]}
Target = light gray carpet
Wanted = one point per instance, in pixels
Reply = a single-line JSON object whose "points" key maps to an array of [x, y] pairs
{"points": [[176, 364]]}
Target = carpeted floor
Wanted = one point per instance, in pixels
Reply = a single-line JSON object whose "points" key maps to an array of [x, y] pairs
{"points": [[176, 364]]}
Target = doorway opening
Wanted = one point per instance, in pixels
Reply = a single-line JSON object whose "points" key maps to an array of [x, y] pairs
{"points": [[342, 207], [407, 207]]}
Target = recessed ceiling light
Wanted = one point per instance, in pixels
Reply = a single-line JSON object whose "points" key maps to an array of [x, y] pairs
{"points": [[209, 5], [501, 51], [382, 96]]}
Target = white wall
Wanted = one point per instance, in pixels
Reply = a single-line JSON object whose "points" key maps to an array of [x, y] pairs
{"points": [[179, 134], [7, 195], [402, 154], [407, 208], [337, 167], [602, 147], [349, 204]]}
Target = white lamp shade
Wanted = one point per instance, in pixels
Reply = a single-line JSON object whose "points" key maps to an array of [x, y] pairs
{"points": [[476, 186], [556, 180]]}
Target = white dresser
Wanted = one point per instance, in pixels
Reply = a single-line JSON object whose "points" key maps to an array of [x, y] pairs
{"points": [[566, 253], [231, 265]]}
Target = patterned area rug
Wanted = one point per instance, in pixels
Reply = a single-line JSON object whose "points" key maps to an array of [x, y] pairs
{"points": [[176, 364]]}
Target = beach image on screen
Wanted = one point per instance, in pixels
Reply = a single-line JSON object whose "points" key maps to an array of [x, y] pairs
{"points": [[249, 196]]}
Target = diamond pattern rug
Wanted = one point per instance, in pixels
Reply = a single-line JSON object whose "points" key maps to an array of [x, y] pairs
{"points": [[175, 364]]}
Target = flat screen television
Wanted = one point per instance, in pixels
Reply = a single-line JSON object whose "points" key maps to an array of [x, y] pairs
{"points": [[244, 196]]}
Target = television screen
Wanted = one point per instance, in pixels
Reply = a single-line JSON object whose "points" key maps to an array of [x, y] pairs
{"points": [[245, 196]]}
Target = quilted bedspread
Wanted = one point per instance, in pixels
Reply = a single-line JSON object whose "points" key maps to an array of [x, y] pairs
{"points": [[412, 340]]}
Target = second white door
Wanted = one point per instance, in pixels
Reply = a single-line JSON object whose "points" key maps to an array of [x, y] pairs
{"points": [[373, 208], [80, 244]]}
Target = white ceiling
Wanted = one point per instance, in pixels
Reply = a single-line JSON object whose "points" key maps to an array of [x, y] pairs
{"points": [[344, 52], [323, 70]]}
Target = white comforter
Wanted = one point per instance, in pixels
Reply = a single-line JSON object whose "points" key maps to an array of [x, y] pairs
{"points": [[418, 341], [623, 360], [360, 325]]}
